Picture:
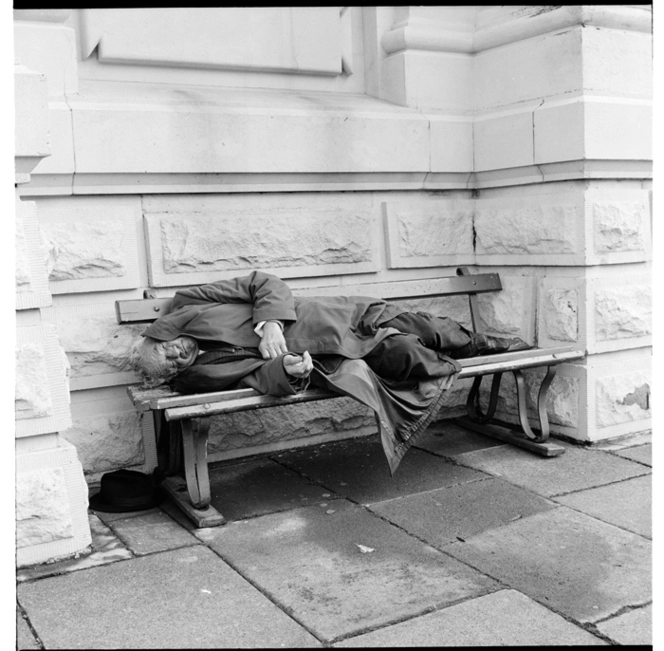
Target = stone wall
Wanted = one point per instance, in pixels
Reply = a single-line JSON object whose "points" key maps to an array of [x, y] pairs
{"points": [[51, 494], [400, 143]]}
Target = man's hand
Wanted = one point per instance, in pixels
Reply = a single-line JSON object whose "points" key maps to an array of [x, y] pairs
{"points": [[272, 343], [298, 366]]}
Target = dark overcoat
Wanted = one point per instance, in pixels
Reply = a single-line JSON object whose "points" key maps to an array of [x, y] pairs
{"points": [[336, 331]]}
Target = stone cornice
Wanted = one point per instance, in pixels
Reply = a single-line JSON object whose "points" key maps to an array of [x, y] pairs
{"points": [[109, 184], [501, 25]]}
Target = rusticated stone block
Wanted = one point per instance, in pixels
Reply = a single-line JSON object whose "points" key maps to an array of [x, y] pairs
{"points": [[561, 314], [41, 393], [619, 226], [290, 422], [257, 241], [108, 441], [91, 243], [185, 247], [30, 262], [534, 229], [623, 397], [562, 403], [32, 392], [42, 507], [23, 275], [430, 233], [80, 250], [454, 307], [510, 311], [96, 346], [623, 312]]}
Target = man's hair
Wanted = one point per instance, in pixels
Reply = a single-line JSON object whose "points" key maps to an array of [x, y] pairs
{"points": [[148, 359]]}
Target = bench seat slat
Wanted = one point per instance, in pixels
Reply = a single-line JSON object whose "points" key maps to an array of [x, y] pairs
{"points": [[492, 365]]}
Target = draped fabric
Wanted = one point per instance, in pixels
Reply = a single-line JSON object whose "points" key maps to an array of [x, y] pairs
{"points": [[337, 332]]}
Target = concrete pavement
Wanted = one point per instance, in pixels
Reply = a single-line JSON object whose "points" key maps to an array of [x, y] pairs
{"points": [[471, 543]]}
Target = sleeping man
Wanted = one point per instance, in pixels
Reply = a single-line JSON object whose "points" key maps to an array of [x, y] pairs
{"points": [[252, 332]]}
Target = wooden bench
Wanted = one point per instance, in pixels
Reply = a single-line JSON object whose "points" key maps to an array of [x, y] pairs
{"points": [[187, 417]]}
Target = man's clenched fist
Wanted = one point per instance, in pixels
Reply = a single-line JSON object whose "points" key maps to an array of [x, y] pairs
{"points": [[298, 366]]}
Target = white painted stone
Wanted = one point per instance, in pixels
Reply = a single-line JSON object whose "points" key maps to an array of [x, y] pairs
{"points": [[454, 307], [453, 90], [85, 249], [293, 39], [248, 131], [42, 507], [51, 49], [623, 397], [521, 229], [561, 314], [53, 499], [618, 62], [32, 391], [92, 243], [559, 131], [503, 141], [430, 233], [619, 226], [107, 441], [183, 246], [30, 262], [41, 398], [96, 347], [512, 310], [262, 241], [290, 422], [61, 161], [623, 311], [22, 264], [451, 143], [434, 233], [547, 65], [562, 404], [31, 133], [618, 130]]}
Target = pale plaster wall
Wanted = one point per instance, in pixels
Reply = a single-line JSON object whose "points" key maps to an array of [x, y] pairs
{"points": [[405, 141]]}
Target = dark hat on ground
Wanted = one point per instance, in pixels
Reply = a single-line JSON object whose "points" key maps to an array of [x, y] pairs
{"points": [[125, 490]]}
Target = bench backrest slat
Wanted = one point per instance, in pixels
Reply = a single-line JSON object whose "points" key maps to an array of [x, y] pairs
{"points": [[149, 309]]}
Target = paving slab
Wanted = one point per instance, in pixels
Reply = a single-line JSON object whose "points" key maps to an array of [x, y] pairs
{"points": [[458, 512], [574, 564], [623, 442], [627, 504], [640, 453], [357, 469], [504, 618], [106, 548], [152, 532], [633, 627], [24, 636], [257, 487], [576, 469], [186, 598], [448, 439], [341, 570]]}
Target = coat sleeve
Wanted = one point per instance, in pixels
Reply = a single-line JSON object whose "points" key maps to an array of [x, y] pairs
{"points": [[265, 376], [272, 379], [270, 296]]}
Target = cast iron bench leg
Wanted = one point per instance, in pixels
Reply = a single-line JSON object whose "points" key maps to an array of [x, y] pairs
{"points": [[194, 440], [473, 403], [525, 438], [197, 481]]}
